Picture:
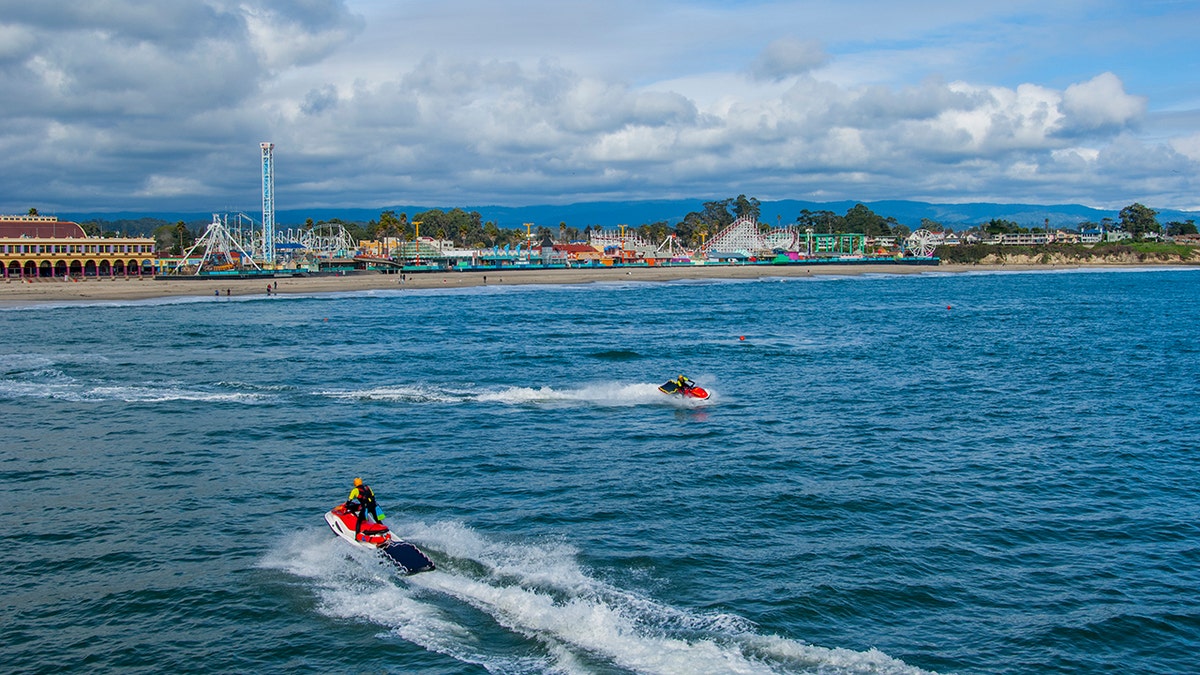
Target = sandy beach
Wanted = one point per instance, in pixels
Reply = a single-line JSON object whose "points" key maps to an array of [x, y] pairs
{"points": [[16, 292]]}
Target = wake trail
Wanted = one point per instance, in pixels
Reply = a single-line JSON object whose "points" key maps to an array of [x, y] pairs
{"points": [[602, 394], [531, 607]]}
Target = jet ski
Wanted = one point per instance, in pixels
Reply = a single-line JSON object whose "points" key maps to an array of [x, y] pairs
{"points": [[688, 390], [377, 536]]}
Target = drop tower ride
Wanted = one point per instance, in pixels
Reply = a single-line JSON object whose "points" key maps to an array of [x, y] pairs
{"points": [[268, 194]]}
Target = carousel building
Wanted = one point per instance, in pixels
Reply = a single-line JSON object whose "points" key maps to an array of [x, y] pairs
{"points": [[35, 247]]}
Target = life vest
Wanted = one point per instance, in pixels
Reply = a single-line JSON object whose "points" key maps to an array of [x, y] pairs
{"points": [[363, 495]]}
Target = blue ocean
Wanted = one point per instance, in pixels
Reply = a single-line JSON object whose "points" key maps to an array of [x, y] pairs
{"points": [[953, 473]]}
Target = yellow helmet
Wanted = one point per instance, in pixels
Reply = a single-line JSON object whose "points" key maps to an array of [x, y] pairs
{"points": [[357, 482]]}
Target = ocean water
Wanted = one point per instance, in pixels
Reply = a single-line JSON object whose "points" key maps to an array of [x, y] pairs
{"points": [[952, 473]]}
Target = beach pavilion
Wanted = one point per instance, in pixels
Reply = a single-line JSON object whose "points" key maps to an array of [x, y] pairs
{"points": [[44, 247]]}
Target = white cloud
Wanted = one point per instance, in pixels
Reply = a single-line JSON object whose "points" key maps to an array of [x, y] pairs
{"points": [[288, 34], [1101, 103], [171, 186], [1077, 155], [1188, 146], [144, 104], [15, 43]]}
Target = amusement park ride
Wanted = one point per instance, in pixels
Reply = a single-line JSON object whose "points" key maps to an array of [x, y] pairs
{"points": [[255, 250], [747, 237], [920, 243], [228, 246], [219, 251]]}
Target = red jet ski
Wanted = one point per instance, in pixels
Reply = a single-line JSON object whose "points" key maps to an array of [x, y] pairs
{"points": [[377, 536], [689, 389]]}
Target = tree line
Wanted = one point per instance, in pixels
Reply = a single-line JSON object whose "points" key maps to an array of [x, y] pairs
{"points": [[1136, 219]]}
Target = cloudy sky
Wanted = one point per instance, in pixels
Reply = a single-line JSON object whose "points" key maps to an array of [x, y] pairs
{"points": [[160, 105]]}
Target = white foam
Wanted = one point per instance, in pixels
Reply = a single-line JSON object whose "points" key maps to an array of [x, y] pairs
{"points": [[61, 387], [369, 591], [404, 393], [42, 305], [136, 394], [607, 394], [45, 364], [21, 362], [540, 592], [38, 376], [792, 655], [602, 393]]}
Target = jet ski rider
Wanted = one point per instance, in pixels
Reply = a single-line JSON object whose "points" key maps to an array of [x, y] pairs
{"points": [[361, 502], [683, 383]]}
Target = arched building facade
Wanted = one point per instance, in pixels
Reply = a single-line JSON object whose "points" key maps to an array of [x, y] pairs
{"points": [[36, 247]]}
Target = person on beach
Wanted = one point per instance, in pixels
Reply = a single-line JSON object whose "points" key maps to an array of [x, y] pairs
{"points": [[362, 502]]}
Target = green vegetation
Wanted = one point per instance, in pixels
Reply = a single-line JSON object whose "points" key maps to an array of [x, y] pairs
{"points": [[1139, 220], [1069, 253], [465, 229], [967, 253], [134, 227], [858, 220], [1176, 228], [1154, 250], [173, 239]]}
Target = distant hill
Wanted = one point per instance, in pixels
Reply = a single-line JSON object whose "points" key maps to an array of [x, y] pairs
{"points": [[611, 214]]}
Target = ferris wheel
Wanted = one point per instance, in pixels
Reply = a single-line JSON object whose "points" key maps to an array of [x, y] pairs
{"points": [[920, 243]]}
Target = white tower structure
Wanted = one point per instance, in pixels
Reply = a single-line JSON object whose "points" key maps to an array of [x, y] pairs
{"points": [[268, 192]]}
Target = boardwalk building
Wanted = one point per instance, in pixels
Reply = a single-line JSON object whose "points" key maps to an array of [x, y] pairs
{"points": [[35, 247]]}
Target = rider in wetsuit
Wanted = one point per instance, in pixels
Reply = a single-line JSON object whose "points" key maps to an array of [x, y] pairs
{"points": [[361, 502]]}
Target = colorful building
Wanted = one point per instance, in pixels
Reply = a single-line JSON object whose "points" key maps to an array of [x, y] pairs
{"points": [[33, 247]]}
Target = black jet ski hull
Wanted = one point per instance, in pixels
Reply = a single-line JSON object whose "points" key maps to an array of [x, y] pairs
{"points": [[407, 557]]}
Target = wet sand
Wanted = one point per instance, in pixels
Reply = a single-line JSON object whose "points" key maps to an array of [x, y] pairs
{"points": [[18, 292]]}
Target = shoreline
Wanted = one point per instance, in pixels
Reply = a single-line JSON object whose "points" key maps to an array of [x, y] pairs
{"points": [[25, 293]]}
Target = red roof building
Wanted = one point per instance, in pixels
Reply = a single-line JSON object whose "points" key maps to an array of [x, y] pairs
{"points": [[39, 226]]}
